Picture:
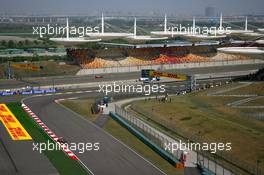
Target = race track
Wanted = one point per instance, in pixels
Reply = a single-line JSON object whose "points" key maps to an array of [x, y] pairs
{"points": [[112, 158]]}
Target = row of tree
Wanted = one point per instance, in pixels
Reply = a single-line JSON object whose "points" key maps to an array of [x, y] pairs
{"points": [[26, 43]]}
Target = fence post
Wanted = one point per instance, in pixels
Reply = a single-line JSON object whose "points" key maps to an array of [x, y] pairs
{"points": [[215, 166]]}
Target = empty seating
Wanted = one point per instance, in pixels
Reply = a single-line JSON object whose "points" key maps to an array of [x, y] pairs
{"points": [[118, 57]]}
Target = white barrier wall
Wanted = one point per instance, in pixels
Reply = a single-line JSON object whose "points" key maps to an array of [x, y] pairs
{"points": [[166, 66]]}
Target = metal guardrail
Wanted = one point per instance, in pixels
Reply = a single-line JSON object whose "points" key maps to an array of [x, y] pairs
{"points": [[155, 134], [202, 160], [227, 157], [172, 160]]}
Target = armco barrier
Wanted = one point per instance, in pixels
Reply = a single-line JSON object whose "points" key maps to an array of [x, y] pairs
{"points": [[212, 166], [145, 140], [28, 92]]}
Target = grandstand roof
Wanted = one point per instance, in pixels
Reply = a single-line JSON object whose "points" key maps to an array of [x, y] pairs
{"points": [[254, 34], [73, 40], [146, 38], [260, 41], [165, 32], [242, 50], [76, 40], [106, 35], [200, 36], [143, 37], [241, 31], [238, 31]]}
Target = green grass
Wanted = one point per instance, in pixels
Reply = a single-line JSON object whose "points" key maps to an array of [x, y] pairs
{"points": [[63, 163], [50, 68], [255, 88], [186, 118], [82, 106], [2, 71], [208, 119]]}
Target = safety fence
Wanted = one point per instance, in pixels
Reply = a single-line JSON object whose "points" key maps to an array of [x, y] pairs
{"points": [[147, 141], [202, 160], [233, 165]]}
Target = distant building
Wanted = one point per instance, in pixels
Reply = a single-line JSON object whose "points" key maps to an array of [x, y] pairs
{"points": [[209, 11]]}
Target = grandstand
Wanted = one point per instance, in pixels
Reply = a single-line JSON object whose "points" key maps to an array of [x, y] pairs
{"points": [[118, 57]]}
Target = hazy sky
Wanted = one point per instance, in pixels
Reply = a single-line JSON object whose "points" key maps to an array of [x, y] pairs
{"points": [[183, 7]]}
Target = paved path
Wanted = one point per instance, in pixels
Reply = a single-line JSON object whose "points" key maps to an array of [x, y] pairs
{"points": [[239, 103]]}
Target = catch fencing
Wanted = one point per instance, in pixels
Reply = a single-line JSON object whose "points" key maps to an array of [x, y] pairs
{"points": [[232, 163], [200, 159]]}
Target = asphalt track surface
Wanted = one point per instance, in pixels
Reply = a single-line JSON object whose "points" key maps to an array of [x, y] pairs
{"points": [[112, 158], [18, 157], [59, 80]]}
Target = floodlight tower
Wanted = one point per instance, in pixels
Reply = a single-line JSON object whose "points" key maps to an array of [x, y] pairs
{"points": [[194, 27], [135, 27], [9, 71], [165, 24], [102, 29], [67, 28], [221, 22], [246, 24]]}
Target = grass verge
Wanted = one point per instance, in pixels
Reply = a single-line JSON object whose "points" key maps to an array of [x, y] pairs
{"points": [[82, 107], [255, 88], [209, 120]]}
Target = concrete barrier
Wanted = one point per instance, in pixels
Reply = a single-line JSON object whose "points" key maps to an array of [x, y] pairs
{"points": [[166, 66]]}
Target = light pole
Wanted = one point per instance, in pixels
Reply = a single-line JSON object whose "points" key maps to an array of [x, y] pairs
{"points": [[257, 168], [9, 70], [53, 85]]}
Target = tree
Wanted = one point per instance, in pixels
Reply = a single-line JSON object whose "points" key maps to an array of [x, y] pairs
{"points": [[27, 42], [36, 42], [20, 44], [11, 44], [3, 43]]}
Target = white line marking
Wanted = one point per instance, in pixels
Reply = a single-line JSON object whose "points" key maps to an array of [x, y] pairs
{"points": [[78, 115]]}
